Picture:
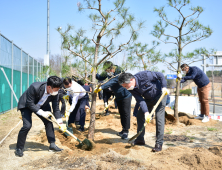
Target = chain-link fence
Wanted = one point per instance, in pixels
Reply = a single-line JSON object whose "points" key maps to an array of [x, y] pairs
{"points": [[21, 70]]}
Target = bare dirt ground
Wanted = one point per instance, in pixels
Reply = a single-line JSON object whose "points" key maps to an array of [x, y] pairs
{"points": [[190, 145]]}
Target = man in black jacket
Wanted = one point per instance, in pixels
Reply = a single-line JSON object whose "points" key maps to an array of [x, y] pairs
{"points": [[123, 97], [36, 99]]}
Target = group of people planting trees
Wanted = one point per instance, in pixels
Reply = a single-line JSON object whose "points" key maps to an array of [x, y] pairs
{"points": [[148, 87], [145, 86]]}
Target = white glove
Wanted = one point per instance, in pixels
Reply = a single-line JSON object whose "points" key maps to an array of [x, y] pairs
{"points": [[147, 117], [59, 121], [67, 113], [165, 90], [179, 75], [62, 127], [44, 114]]}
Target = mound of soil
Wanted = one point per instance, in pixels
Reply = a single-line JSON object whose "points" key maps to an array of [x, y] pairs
{"points": [[185, 120], [216, 150], [202, 159]]}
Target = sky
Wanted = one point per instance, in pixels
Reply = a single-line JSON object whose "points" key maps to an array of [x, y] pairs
{"points": [[25, 22]]}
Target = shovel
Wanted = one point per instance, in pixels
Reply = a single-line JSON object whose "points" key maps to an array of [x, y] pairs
{"points": [[152, 112], [85, 144], [107, 106]]}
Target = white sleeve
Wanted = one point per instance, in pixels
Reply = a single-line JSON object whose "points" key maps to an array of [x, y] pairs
{"points": [[74, 102]]}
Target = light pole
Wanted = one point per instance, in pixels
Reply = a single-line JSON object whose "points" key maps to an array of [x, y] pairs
{"points": [[61, 56]]}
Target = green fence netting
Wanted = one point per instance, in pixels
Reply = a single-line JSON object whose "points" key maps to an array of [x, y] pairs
{"points": [[14, 58], [5, 95]]}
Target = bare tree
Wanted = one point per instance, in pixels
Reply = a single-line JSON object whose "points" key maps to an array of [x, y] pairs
{"points": [[107, 27], [189, 30], [148, 56]]}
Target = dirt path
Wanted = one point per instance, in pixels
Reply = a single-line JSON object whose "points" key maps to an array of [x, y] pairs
{"points": [[185, 147]]}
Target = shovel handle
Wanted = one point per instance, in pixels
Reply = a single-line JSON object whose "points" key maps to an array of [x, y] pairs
{"points": [[152, 112], [53, 120], [110, 103]]}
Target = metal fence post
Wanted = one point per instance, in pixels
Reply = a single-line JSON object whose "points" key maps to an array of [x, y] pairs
{"points": [[12, 79], [28, 72], [21, 74]]}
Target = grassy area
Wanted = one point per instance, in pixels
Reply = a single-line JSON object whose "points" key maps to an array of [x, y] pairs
{"points": [[211, 129]]}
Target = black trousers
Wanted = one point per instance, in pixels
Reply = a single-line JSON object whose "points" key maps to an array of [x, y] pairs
{"points": [[27, 124], [124, 107], [160, 119], [79, 113]]}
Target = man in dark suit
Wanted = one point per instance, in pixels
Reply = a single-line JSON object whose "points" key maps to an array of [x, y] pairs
{"points": [[36, 99]]}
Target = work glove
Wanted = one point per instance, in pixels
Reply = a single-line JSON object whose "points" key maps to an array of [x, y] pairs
{"points": [[165, 90], [97, 90], [147, 117], [179, 75], [62, 127], [106, 105], [66, 97], [67, 114], [46, 114], [92, 70]]}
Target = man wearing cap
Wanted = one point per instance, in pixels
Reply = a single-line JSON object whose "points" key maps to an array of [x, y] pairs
{"points": [[203, 84], [123, 97], [147, 87]]}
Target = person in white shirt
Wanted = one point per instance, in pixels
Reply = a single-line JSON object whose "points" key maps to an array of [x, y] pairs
{"points": [[77, 109]]}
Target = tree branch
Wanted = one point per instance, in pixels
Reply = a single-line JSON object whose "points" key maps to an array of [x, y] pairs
{"points": [[168, 21], [79, 55]]}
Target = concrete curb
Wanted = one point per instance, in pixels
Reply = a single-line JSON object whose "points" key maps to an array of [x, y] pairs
{"points": [[216, 104]]}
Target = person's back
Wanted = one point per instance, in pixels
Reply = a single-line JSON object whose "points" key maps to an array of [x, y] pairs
{"points": [[197, 75]]}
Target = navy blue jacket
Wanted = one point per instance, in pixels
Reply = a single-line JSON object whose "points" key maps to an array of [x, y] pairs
{"points": [[119, 91], [197, 75], [148, 86]]}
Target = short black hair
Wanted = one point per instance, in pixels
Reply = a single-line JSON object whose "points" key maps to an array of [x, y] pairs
{"points": [[107, 65], [67, 81], [183, 65], [54, 82], [125, 78]]}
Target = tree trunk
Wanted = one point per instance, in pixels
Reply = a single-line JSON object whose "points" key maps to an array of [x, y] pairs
{"points": [[93, 105], [178, 83]]}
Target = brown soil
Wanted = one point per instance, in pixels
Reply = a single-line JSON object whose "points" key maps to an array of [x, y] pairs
{"points": [[202, 159], [187, 121], [185, 147]]}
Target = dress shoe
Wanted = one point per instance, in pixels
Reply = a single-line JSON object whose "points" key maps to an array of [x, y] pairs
{"points": [[124, 136], [81, 129], [19, 152], [138, 142], [157, 148], [54, 148], [120, 134], [106, 114]]}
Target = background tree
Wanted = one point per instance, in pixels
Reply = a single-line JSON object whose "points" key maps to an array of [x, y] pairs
{"points": [[107, 26], [188, 30], [80, 47], [144, 58]]}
